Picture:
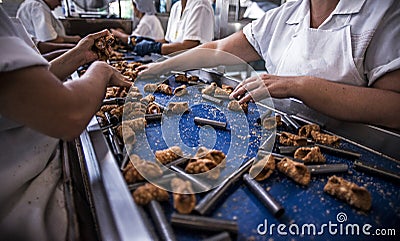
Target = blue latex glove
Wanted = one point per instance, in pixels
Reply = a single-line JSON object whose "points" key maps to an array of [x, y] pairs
{"points": [[133, 40], [141, 38], [147, 47]]}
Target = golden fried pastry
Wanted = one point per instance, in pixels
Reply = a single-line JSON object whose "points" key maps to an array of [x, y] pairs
{"points": [[153, 109], [354, 195], [272, 122], [137, 124], [234, 105], [183, 196], [144, 194], [181, 78], [127, 132], [103, 47], [209, 90], [178, 107], [150, 88], [295, 170], [197, 166], [117, 111], [113, 92], [306, 130], [169, 155], [131, 174], [133, 110], [290, 139], [164, 88], [309, 154], [180, 90], [193, 78], [220, 91], [148, 99], [325, 139], [227, 88], [262, 169], [107, 108], [215, 155]]}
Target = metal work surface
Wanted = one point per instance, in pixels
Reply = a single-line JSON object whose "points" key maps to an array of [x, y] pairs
{"points": [[306, 208], [303, 205]]}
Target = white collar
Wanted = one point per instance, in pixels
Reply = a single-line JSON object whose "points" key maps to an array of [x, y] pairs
{"points": [[343, 7]]}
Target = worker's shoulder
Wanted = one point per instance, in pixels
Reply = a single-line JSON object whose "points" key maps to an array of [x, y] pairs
{"points": [[30, 5], [200, 2]]}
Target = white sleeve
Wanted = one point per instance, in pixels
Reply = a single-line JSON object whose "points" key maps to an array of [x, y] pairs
{"points": [[16, 54], [249, 32], [200, 25], [142, 29], [42, 24], [383, 53]]}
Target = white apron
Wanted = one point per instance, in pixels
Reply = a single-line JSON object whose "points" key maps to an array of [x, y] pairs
{"points": [[320, 53]]}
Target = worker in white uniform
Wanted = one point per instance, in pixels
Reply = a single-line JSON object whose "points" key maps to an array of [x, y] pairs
{"points": [[341, 58], [149, 25], [36, 110], [40, 22], [191, 22]]}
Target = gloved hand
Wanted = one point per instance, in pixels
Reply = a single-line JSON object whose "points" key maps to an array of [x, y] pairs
{"points": [[133, 40], [147, 47], [139, 39]]}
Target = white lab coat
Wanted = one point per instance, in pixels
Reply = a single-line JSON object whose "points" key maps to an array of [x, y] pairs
{"points": [[196, 23], [31, 190], [357, 44], [39, 21]]}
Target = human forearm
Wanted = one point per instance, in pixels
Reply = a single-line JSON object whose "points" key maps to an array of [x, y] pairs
{"points": [[81, 54], [118, 33], [54, 54], [45, 104], [45, 47], [66, 64], [168, 48], [71, 38], [234, 49], [350, 103]]}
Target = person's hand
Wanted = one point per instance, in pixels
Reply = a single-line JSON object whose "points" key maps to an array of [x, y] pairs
{"points": [[133, 40], [146, 47], [111, 75], [139, 39], [150, 70], [75, 38], [117, 79], [260, 87], [84, 47], [118, 33]]}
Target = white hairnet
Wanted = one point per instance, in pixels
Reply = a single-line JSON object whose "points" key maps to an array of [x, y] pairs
{"points": [[145, 6]]}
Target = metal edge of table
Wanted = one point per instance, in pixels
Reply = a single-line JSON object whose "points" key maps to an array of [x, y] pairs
{"points": [[116, 214]]}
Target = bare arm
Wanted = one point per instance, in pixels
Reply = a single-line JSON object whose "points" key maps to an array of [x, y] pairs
{"points": [[66, 39], [378, 105], [61, 110], [118, 33], [208, 55], [54, 54], [46, 47], [168, 48]]}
